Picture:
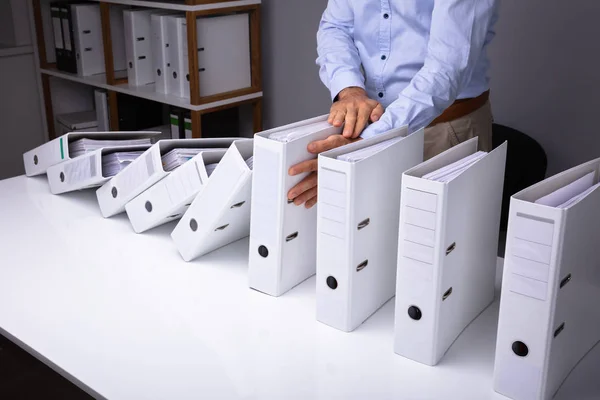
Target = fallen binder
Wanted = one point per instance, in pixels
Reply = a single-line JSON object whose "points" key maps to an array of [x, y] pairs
{"points": [[220, 213], [549, 315], [357, 228], [447, 248], [38, 160], [282, 235], [168, 199], [144, 172]]}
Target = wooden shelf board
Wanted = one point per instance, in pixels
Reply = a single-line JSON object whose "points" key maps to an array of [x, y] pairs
{"points": [[147, 91]]}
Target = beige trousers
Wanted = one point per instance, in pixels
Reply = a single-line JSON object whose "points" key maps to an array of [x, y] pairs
{"points": [[445, 135]]}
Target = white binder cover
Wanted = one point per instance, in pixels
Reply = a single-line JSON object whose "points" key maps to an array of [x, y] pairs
{"points": [[549, 308], [160, 50], [144, 172], [447, 251], [179, 64], [220, 214], [282, 235], [89, 47], [168, 199], [85, 171], [38, 160], [138, 46], [357, 228]]}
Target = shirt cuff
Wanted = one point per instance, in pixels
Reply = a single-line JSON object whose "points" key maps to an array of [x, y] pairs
{"points": [[343, 80]]}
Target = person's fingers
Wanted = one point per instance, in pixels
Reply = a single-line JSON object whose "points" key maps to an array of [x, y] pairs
{"points": [[338, 120], [311, 202], [309, 194], [350, 122], [306, 184], [362, 120], [304, 166], [377, 113], [331, 142]]}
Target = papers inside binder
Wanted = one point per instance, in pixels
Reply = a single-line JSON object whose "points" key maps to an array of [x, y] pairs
{"points": [[570, 194], [83, 146], [250, 162], [292, 134], [114, 163], [210, 168], [177, 157], [449, 172], [366, 152]]}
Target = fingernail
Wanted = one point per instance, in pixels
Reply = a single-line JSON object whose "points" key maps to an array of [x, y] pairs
{"points": [[311, 147], [291, 196]]}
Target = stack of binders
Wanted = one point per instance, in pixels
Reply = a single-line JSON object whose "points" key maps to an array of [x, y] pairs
{"points": [[144, 172], [138, 46], [357, 229], [447, 248], [549, 309], [169, 198], [220, 214], [282, 235]]}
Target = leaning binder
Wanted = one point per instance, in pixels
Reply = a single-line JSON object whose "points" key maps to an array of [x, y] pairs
{"points": [[85, 171], [87, 35], [220, 214], [282, 235], [139, 176], [447, 248], [168, 199], [138, 46], [549, 314], [38, 160], [357, 228]]}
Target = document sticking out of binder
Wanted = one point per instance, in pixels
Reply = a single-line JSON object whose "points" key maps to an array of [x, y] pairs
{"points": [[357, 225], [167, 200], [220, 213], [93, 168], [447, 248], [282, 235], [145, 171], [38, 160], [549, 316], [85, 145]]}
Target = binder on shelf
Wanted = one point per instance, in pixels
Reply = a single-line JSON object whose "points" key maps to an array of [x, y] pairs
{"points": [[177, 123], [447, 248], [221, 68], [220, 213], [139, 176], [59, 44], [357, 225], [87, 35], [187, 124], [38, 160], [160, 50], [64, 42], [138, 46], [549, 315], [117, 33], [81, 121], [168, 199], [102, 111], [282, 235], [85, 171]]}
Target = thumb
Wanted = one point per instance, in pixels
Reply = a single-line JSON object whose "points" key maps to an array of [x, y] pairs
{"points": [[377, 113]]}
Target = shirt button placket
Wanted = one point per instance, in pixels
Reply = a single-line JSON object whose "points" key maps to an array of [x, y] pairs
{"points": [[384, 44]]}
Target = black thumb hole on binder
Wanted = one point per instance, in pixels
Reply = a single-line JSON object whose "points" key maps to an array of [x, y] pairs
{"points": [[263, 251], [193, 225], [35, 160], [520, 348], [414, 313], [148, 206], [158, 72], [62, 176], [114, 192], [332, 282]]}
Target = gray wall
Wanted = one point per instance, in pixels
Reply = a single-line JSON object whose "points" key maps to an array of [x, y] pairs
{"points": [[545, 76], [291, 82]]}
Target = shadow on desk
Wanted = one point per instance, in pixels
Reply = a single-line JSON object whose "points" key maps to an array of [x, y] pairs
{"points": [[22, 376]]}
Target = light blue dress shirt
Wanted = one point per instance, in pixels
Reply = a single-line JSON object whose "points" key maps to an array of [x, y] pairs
{"points": [[418, 56]]}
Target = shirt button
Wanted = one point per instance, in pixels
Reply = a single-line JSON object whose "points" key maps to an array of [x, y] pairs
{"points": [[386, 16], [380, 94], [383, 57]]}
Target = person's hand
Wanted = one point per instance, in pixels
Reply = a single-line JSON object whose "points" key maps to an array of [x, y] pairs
{"points": [[354, 109], [305, 192]]}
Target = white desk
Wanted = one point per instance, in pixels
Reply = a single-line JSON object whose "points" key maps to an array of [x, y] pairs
{"points": [[122, 316]]}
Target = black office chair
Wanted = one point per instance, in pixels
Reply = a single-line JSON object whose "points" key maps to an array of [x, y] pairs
{"points": [[526, 165]]}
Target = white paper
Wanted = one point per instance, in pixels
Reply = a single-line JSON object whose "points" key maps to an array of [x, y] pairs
{"points": [[579, 197], [83, 146], [449, 172], [114, 163], [561, 196], [177, 157], [366, 152], [250, 162], [290, 135]]}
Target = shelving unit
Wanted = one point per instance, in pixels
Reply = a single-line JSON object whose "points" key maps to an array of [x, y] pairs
{"points": [[113, 84]]}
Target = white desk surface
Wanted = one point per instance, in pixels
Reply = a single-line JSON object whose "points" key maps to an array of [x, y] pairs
{"points": [[124, 317]]}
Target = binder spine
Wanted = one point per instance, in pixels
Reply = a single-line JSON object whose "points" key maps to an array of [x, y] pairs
{"points": [[159, 52], [334, 237], [525, 329], [268, 201], [418, 277]]}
